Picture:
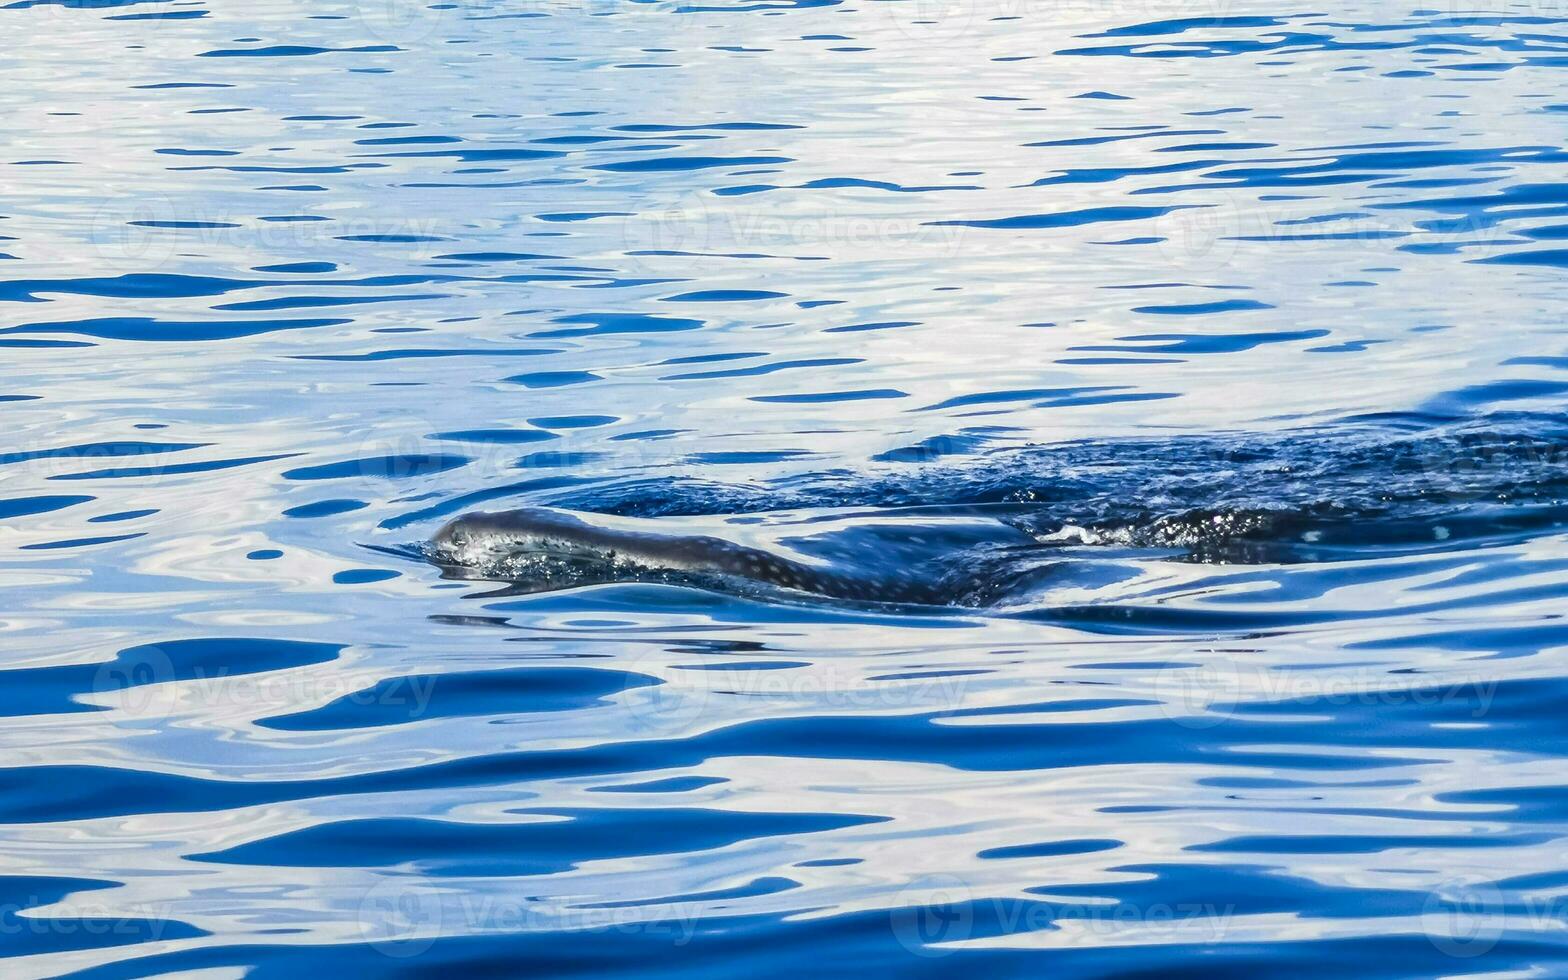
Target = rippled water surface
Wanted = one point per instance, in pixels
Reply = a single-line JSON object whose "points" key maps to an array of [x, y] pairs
{"points": [[1143, 428]]}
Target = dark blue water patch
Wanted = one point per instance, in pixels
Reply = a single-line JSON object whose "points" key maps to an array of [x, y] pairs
{"points": [[124, 515], [1212, 48], [1328, 236], [423, 353], [177, 660], [77, 5], [1347, 347], [1143, 133], [364, 576], [391, 240], [264, 554], [80, 542], [29, 506], [325, 508], [712, 358], [1108, 175], [499, 437], [910, 675], [299, 268], [552, 459], [489, 257], [747, 665], [1179, 343], [1016, 395], [404, 140], [675, 784], [550, 846], [1529, 805], [575, 216], [514, 691], [1554, 258], [598, 324], [553, 379], [1107, 399], [1357, 844], [170, 331], [476, 155], [676, 164], [1182, 25], [824, 397], [171, 469], [743, 457], [724, 296], [868, 327], [1056, 848], [749, 126], [573, 421], [395, 467], [129, 286], [1214, 147], [837, 183], [322, 302], [181, 224], [1067, 219], [294, 51], [647, 435], [1204, 309], [762, 369]]}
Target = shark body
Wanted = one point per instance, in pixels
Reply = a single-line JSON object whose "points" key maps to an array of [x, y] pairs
{"points": [[611, 554]]}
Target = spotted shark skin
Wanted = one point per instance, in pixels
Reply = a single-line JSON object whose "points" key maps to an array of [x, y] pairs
{"points": [[475, 540]]}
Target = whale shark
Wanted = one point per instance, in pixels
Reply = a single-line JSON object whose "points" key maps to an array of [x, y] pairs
{"points": [[543, 548], [1022, 525]]}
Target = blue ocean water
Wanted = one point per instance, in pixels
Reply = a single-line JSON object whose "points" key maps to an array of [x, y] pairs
{"points": [[1176, 392]]}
